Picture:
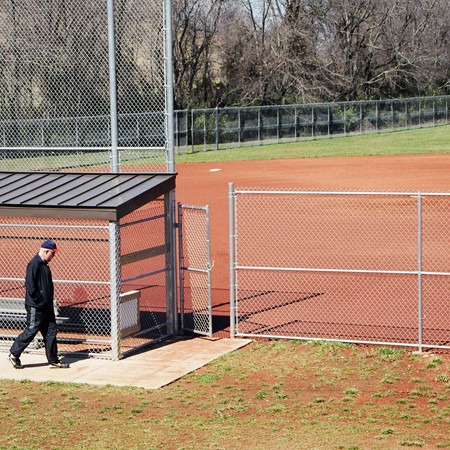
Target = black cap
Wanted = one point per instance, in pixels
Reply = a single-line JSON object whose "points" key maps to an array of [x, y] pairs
{"points": [[50, 245]]}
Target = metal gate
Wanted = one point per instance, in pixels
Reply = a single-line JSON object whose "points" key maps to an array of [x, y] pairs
{"points": [[195, 269]]}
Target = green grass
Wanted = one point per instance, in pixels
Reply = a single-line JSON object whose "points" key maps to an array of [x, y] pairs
{"points": [[263, 396], [408, 142], [418, 141]]}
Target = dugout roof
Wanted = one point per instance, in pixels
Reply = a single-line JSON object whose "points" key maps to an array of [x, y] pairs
{"points": [[73, 195]]}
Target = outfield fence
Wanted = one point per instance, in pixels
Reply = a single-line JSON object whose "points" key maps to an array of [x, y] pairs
{"points": [[362, 267], [221, 128]]}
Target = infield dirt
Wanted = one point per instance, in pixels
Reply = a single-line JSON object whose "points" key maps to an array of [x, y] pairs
{"points": [[207, 184]]}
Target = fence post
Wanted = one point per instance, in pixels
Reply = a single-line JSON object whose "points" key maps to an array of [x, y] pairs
{"points": [[77, 133], [209, 267], [171, 263], [259, 125], [392, 113], [192, 130], [217, 128], [239, 127], [176, 133], [419, 269], [360, 118], [168, 66], [232, 236], [434, 113], [406, 114], [114, 261], [345, 118], [420, 113], [113, 89], [446, 110], [278, 124], [181, 264], [329, 120], [205, 132], [376, 115]]}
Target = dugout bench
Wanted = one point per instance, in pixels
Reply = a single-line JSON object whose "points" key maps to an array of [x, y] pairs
{"points": [[78, 319]]}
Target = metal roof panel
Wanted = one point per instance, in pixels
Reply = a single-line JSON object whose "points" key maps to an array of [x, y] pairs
{"points": [[79, 195]]}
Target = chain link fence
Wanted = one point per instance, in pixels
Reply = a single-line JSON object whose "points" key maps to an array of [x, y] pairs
{"points": [[221, 128], [94, 264], [354, 267], [145, 269], [195, 269], [56, 90]]}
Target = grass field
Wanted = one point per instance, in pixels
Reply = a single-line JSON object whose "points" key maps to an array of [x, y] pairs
{"points": [[418, 141], [269, 395]]}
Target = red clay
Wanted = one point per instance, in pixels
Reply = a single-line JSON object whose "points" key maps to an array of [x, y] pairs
{"points": [[200, 184]]}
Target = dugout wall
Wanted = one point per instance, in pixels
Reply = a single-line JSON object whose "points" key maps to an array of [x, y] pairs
{"points": [[114, 277]]}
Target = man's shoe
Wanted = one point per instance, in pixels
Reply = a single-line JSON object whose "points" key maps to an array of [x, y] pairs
{"points": [[15, 361], [59, 365]]}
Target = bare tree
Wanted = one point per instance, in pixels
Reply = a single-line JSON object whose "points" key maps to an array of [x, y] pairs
{"points": [[250, 64], [54, 58], [195, 25], [349, 49]]}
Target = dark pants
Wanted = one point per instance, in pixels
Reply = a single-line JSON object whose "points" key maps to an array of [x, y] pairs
{"points": [[42, 320]]}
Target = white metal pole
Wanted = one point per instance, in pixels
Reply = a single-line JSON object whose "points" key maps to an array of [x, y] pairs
{"points": [[113, 88], [114, 258], [419, 269], [169, 88], [232, 257]]}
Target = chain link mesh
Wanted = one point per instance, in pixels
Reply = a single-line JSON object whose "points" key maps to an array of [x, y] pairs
{"points": [[360, 267], [55, 86], [221, 128], [143, 270], [83, 280], [80, 275], [195, 268], [55, 100], [435, 260]]}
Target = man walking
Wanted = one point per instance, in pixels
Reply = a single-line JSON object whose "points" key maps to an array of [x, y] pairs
{"points": [[39, 293]]}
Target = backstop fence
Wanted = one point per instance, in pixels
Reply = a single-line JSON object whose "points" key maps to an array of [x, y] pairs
{"points": [[83, 84], [362, 267]]}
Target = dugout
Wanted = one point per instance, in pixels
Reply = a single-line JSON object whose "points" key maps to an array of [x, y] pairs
{"points": [[114, 277]]}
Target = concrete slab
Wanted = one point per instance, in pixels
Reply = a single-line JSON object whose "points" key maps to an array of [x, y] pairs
{"points": [[152, 369]]}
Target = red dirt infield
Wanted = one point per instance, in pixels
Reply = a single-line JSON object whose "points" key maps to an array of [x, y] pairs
{"points": [[201, 184], [207, 184]]}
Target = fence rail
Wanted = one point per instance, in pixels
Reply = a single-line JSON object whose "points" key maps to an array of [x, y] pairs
{"points": [[363, 267]]}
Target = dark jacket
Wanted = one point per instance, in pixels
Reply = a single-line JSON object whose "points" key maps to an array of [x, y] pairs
{"points": [[39, 289]]}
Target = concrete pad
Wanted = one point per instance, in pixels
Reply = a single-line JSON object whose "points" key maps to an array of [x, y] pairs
{"points": [[151, 369]]}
